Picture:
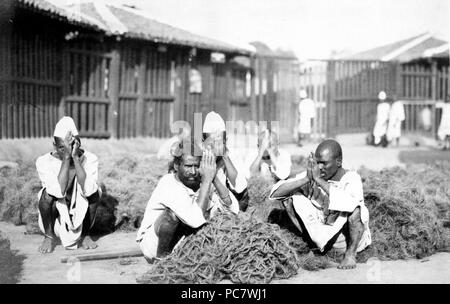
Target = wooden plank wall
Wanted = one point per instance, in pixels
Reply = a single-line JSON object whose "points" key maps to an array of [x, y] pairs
{"points": [[355, 90], [275, 85], [313, 79], [147, 91], [159, 90], [31, 83], [286, 85], [240, 101], [86, 79], [421, 87]]}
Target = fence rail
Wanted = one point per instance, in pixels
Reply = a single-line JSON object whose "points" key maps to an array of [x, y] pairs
{"points": [[349, 89]]}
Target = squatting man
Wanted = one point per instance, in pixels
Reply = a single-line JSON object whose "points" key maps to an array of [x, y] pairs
{"points": [[69, 196], [182, 202], [326, 204], [195, 191]]}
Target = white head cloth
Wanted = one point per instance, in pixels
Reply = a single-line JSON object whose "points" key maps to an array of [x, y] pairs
{"points": [[213, 123], [65, 125], [303, 94], [382, 95]]}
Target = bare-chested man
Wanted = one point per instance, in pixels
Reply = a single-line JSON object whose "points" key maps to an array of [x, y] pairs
{"points": [[327, 203], [69, 196]]}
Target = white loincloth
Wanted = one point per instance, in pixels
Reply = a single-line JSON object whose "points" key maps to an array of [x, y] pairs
{"points": [[321, 233], [69, 224]]}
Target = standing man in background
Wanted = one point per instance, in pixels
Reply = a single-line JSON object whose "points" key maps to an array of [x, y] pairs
{"points": [[396, 117], [444, 126], [307, 112], [382, 120]]}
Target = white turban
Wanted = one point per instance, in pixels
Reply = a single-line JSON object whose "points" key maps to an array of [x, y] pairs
{"points": [[303, 94], [65, 125], [382, 95], [213, 123]]}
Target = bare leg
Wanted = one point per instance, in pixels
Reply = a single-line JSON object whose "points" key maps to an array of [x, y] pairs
{"points": [[353, 231], [166, 227], [86, 241], [49, 214]]}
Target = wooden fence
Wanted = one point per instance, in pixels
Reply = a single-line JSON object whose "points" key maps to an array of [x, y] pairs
{"points": [[111, 88], [350, 90], [85, 86], [313, 79], [30, 82]]}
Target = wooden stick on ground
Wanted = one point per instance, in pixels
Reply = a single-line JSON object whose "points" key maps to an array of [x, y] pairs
{"points": [[103, 255]]}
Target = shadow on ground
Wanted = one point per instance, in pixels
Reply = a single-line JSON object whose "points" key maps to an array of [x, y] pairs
{"points": [[11, 263]]}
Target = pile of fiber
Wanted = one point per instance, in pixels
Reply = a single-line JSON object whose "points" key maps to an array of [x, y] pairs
{"points": [[127, 183], [239, 248], [19, 187], [405, 220], [130, 181]]}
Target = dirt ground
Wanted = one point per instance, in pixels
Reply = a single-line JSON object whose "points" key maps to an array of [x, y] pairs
{"points": [[38, 268], [48, 269]]}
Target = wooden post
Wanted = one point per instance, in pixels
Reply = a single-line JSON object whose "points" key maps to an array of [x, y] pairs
{"points": [[434, 96], [331, 108], [113, 88], [177, 79], [260, 89], [253, 106], [141, 91], [434, 76], [228, 89]]}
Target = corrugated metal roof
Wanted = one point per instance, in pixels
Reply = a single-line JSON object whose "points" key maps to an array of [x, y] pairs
{"points": [[135, 24], [403, 51], [65, 14], [263, 49]]}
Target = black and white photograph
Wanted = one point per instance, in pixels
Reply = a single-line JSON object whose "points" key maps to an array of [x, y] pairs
{"points": [[242, 144]]}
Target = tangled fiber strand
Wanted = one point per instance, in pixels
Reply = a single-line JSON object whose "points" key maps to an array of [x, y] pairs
{"points": [[238, 248], [404, 221], [259, 189]]}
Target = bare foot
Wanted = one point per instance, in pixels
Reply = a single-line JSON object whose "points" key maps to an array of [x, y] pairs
{"points": [[87, 243], [47, 246], [347, 263]]}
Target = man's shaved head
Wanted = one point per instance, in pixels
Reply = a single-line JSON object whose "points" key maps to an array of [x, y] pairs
{"points": [[329, 158], [333, 146]]}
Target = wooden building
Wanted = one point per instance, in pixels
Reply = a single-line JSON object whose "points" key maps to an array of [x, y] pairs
{"points": [[117, 72], [121, 74], [414, 70]]}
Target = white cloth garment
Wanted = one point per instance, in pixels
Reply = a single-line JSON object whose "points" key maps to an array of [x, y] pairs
{"points": [[173, 194], [396, 116], [345, 196], [307, 111], [70, 221], [281, 170], [381, 122], [65, 125], [444, 126], [239, 165], [213, 123]]}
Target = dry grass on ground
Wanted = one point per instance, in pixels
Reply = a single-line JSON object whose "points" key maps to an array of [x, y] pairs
{"points": [[409, 207]]}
